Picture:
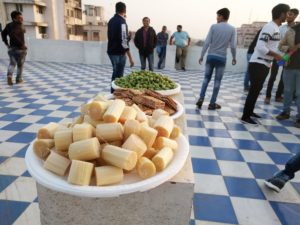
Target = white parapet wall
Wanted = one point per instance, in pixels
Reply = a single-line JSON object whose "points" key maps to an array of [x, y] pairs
{"points": [[95, 53]]}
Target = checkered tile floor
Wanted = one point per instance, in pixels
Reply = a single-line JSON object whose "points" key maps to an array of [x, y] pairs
{"points": [[230, 160]]}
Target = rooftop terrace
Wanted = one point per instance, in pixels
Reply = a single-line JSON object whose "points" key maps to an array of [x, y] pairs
{"points": [[230, 160]]}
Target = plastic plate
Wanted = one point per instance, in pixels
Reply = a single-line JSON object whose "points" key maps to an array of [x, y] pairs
{"points": [[131, 183], [163, 92]]}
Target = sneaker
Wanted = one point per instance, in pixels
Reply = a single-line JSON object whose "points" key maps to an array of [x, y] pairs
{"points": [[279, 99], [214, 106], [248, 121], [19, 81], [283, 116], [199, 103], [9, 81], [256, 116], [267, 100], [277, 182], [297, 124], [183, 68]]}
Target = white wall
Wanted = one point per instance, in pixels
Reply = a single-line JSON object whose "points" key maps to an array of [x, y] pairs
{"points": [[3, 18], [28, 13], [31, 32], [95, 53]]}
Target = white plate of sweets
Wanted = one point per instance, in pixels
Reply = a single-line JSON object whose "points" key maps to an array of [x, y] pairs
{"points": [[163, 92], [131, 183], [91, 169], [176, 115]]}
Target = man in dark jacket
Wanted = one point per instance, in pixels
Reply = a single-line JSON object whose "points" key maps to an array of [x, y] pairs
{"points": [[117, 46], [16, 47], [161, 48], [145, 40]]}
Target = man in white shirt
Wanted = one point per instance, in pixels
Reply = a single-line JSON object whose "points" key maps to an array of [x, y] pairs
{"points": [[260, 62]]}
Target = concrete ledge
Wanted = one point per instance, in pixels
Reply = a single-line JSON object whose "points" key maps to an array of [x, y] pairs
{"points": [[95, 53], [59, 208]]}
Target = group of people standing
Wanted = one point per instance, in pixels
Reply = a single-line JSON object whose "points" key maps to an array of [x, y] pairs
{"points": [[146, 40], [270, 44]]}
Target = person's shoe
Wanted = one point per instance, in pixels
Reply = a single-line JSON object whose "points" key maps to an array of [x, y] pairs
{"points": [[277, 182], [297, 124], [214, 106], [283, 116], [279, 99], [199, 103], [256, 116], [19, 81], [183, 68], [267, 100], [248, 121], [9, 81]]}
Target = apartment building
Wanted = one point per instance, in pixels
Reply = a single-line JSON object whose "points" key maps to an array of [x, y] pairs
{"points": [[247, 32], [33, 12], [54, 19], [72, 19], [95, 26]]}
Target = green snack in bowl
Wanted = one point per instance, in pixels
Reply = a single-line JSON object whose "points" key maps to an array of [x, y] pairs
{"points": [[146, 80]]}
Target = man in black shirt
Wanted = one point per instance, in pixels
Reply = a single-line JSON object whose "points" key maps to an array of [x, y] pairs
{"points": [[16, 47], [249, 54], [117, 46]]}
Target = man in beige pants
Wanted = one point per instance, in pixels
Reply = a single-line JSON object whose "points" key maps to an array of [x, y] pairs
{"points": [[182, 41]]}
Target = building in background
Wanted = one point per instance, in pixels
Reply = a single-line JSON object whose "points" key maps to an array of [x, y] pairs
{"points": [[72, 19], [33, 12], [2, 16], [95, 26], [247, 32], [53, 19]]}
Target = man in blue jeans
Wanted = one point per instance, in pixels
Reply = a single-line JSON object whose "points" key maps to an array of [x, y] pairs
{"points": [[145, 40], [17, 50], [117, 46], [291, 73], [220, 36], [161, 47], [279, 179]]}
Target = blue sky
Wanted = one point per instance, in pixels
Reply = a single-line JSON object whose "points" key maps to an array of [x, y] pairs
{"points": [[195, 16]]}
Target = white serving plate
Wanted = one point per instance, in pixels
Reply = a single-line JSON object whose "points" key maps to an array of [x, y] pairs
{"points": [[163, 92], [132, 183]]}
